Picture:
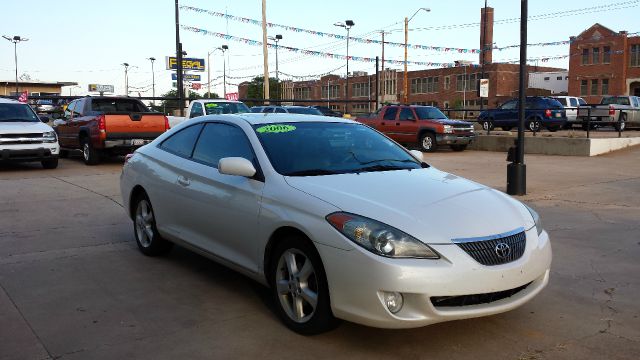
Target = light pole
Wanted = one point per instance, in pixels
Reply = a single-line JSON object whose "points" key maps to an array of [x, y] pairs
{"points": [[153, 80], [347, 25], [126, 78], [406, 40], [224, 69], [276, 39], [15, 40], [209, 69]]}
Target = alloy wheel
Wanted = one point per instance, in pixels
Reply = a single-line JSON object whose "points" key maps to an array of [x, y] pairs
{"points": [[427, 143], [85, 151], [297, 285], [144, 223]]}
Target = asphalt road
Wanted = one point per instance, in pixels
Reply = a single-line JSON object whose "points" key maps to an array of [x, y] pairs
{"points": [[74, 286]]}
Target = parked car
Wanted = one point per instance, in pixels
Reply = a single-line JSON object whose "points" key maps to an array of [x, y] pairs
{"points": [[45, 106], [25, 137], [104, 125], [571, 105], [326, 111], [540, 112], [201, 107], [425, 125], [308, 110], [619, 111], [338, 220], [256, 109]]}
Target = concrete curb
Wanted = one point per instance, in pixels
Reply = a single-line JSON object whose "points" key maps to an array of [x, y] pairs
{"points": [[554, 145]]}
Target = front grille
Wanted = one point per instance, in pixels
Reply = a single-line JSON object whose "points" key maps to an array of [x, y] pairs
{"points": [[475, 299], [19, 139], [487, 252]]}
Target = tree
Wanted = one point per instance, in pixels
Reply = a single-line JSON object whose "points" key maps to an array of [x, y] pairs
{"points": [[255, 89], [168, 105]]}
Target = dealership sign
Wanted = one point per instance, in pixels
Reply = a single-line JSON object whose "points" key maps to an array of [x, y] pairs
{"points": [[187, 64], [101, 88], [231, 96], [483, 88], [186, 77]]}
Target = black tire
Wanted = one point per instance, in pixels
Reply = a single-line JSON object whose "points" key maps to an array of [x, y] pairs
{"points": [[428, 142], [487, 124], [90, 155], [552, 129], [64, 153], [459, 147], [145, 231], [50, 164], [622, 123], [506, 128], [311, 320], [533, 125]]}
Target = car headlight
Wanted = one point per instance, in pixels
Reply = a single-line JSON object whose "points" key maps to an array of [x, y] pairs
{"points": [[448, 129], [536, 220], [50, 137], [379, 238]]}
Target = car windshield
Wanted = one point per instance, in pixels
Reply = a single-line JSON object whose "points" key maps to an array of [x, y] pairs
{"points": [[427, 112], [218, 107], [325, 148], [618, 100], [17, 113], [304, 110]]}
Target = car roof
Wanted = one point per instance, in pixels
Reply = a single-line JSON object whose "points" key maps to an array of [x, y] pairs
{"points": [[218, 100], [9, 101], [270, 118]]}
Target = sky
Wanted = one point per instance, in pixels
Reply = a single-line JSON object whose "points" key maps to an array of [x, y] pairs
{"points": [[86, 41]]}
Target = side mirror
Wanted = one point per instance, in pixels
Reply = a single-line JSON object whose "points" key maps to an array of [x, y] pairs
{"points": [[236, 166], [417, 154], [44, 119]]}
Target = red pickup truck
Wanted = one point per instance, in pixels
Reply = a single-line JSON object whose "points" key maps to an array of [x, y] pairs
{"points": [[423, 125], [107, 126]]}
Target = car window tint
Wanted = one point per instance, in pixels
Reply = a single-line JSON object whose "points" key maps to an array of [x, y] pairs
{"points": [[563, 101], [581, 101], [574, 102], [182, 142], [635, 101], [196, 110], [220, 141], [406, 114], [118, 105], [78, 109], [390, 114], [509, 105], [280, 110]]}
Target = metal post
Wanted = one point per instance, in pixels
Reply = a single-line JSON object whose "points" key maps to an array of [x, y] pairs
{"points": [[346, 105], [179, 62], [15, 56], [153, 80], [209, 74], [483, 49], [517, 171], [406, 75], [265, 53], [224, 70], [464, 92], [377, 85]]}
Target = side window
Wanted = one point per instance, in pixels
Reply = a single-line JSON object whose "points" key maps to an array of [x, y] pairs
{"points": [[280, 110], [267, 110], [574, 102], [70, 107], [220, 141], [182, 142], [509, 105], [581, 101], [390, 114], [78, 110], [407, 114], [196, 110], [635, 101]]}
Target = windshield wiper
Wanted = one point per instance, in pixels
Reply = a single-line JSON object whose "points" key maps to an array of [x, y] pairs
{"points": [[381, 168], [313, 172], [18, 120], [381, 160]]}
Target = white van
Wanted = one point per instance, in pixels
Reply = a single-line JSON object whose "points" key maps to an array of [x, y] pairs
{"points": [[571, 104]]}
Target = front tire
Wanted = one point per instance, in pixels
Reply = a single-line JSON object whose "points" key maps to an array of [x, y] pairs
{"points": [[428, 142], [487, 124], [299, 287], [459, 147], [90, 155], [147, 236]]}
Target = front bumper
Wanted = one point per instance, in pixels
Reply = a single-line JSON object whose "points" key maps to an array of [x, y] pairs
{"points": [[454, 139], [358, 297], [38, 152]]}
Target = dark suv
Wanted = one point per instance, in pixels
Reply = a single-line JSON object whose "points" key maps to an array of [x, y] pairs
{"points": [[539, 112], [326, 111]]}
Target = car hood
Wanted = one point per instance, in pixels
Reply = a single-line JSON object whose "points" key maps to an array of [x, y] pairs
{"points": [[453, 122], [431, 205], [23, 127]]}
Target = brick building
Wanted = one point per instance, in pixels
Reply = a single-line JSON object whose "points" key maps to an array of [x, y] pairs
{"points": [[450, 87], [604, 62]]}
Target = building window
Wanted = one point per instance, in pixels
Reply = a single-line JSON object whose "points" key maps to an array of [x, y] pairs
{"points": [[594, 87], [424, 85], [596, 55], [447, 82], [635, 55], [605, 87], [468, 83], [390, 87], [559, 78], [360, 90], [360, 108], [302, 93], [606, 54], [546, 78], [584, 87], [330, 91], [585, 56]]}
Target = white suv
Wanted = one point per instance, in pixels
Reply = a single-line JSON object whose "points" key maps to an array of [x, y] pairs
{"points": [[571, 104], [24, 136]]}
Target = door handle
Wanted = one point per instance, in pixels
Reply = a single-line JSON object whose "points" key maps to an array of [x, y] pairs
{"points": [[183, 181], [382, 123], [398, 124]]}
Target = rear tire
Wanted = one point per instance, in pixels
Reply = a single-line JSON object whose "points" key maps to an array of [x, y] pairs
{"points": [[90, 155], [147, 236], [459, 147], [299, 287], [487, 124], [533, 125], [428, 142], [50, 164]]}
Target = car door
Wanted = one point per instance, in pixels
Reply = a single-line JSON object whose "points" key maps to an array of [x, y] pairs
{"points": [[62, 125], [507, 114], [224, 208], [405, 126], [572, 109], [388, 122]]}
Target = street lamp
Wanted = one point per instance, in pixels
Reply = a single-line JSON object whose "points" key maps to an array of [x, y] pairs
{"points": [[153, 79], [276, 39], [126, 78], [15, 40], [347, 25], [406, 40], [224, 69]]}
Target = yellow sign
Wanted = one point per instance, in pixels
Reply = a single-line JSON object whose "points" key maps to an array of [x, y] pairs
{"points": [[187, 64]]}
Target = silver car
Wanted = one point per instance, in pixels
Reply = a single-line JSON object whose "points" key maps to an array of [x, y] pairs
{"points": [[337, 219]]}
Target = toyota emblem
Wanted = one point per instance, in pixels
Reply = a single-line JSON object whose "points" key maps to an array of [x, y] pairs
{"points": [[502, 250]]}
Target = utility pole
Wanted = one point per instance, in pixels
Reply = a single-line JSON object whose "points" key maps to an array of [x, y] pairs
{"points": [[482, 50], [126, 78], [347, 25], [406, 41], [153, 80], [517, 170], [15, 40], [276, 39], [224, 70], [265, 53], [179, 62]]}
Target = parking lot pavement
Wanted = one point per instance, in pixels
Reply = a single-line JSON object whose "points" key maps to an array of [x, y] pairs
{"points": [[74, 286]]}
